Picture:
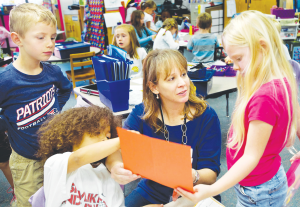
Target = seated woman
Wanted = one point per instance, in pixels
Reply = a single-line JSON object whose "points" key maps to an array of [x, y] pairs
{"points": [[171, 111]]}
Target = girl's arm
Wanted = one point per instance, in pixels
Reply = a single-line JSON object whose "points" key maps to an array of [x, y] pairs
{"points": [[144, 40], [92, 153], [297, 156], [258, 136], [168, 38], [148, 26]]}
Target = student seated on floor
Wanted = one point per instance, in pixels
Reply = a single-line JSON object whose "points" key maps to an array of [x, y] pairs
{"points": [[203, 43]]}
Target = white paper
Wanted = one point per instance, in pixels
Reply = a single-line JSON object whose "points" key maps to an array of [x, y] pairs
{"points": [[219, 63], [112, 3], [215, 22], [214, 29], [137, 81], [221, 28], [129, 12], [215, 14], [112, 19], [231, 8], [220, 13]]}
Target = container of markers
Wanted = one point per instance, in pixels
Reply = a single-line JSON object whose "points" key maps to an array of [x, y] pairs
{"points": [[219, 70]]}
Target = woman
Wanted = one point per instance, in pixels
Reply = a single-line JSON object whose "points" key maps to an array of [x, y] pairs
{"points": [[170, 103]]}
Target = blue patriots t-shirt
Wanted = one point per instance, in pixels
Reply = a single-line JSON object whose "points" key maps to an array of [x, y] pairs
{"points": [[27, 100]]}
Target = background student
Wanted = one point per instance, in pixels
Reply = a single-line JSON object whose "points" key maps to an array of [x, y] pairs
{"points": [[144, 35], [125, 38], [202, 44], [30, 89], [149, 8], [265, 116], [164, 38], [165, 14]]}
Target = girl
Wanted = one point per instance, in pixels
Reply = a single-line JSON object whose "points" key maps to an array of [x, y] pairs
{"points": [[149, 7], [164, 38], [264, 119], [172, 111], [144, 35], [71, 143], [125, 38]]}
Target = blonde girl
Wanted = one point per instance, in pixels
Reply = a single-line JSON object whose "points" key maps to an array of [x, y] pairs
{"points": [[125, 38], [264, 120], [149, 7], [164, 38]]}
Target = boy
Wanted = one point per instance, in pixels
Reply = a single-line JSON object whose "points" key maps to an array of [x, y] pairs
{"points": [[203, 43], [30, 91]]}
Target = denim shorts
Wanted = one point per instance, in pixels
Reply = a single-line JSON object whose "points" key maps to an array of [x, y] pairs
{"points": [[271, 193]]}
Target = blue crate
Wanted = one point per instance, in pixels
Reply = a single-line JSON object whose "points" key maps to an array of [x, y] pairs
{"points": [[204, 85]]}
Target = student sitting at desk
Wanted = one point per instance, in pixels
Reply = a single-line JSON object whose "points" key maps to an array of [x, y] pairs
{"points": [[149, 7], [125, 38], [203, 43], [164, 38], [165, 14], [144, 35]]}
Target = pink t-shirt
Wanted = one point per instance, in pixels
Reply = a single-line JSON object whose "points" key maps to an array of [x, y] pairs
{"points": [[269, 105]]}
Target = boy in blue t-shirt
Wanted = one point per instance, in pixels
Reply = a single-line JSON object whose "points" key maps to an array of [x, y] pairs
{"points": [[31, 90], [203, 43]]}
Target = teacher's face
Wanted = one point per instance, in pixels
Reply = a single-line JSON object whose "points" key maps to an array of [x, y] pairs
{"points": [[174, 88]]}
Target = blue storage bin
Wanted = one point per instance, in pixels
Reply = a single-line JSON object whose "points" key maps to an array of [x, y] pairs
{"points": [[204, 85], [114, 94], [64, 49]]}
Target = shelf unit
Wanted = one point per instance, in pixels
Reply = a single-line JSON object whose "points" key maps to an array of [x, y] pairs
{"points": [[289, 28]]}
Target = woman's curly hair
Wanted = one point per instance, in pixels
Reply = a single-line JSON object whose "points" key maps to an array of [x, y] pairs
{"points": [[61, 132]]}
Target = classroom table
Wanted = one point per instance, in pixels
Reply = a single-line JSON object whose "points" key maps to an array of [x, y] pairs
{"points": [[54, 59], [221, 86]]}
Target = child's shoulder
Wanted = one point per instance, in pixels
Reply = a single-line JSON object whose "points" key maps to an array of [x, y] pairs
{"points": [[6, 75]]}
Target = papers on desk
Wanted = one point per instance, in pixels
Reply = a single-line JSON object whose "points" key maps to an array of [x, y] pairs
{"points": [[112, 19], [136, 93]]}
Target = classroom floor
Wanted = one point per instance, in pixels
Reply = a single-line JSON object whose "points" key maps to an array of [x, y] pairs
{"points": [[219, 105]]}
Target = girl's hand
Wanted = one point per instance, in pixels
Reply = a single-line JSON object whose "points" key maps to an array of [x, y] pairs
{"points": [[177, 41], [228, 60], [121, 175], [153, 37], [201, 192], [296, 156]]}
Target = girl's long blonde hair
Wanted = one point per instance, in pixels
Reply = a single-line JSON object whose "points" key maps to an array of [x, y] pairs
{"points": [[134, 43], [161, 63], [169, 24], [248, 30]]}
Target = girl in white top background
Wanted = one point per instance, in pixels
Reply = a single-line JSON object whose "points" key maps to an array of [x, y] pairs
{"points": [[125, 38], [149, 8], [164, 38]]}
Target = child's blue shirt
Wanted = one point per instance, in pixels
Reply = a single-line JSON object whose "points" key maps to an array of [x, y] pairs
{"points": [[203, 47], [145, 39], [27, 100]]}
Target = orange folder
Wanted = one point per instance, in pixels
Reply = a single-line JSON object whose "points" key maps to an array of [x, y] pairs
{"points": [[164, 162]]}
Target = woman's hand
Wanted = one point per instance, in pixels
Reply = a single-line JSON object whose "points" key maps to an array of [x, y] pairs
{"points": [[296, 156], [121, 175], [201, 192]]}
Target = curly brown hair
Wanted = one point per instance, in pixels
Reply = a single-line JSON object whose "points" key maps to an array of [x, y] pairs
{"points": [[61, 132]]}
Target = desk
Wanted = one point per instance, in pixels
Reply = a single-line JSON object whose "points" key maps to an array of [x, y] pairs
{"points": [[54, 59], [221, 86]]}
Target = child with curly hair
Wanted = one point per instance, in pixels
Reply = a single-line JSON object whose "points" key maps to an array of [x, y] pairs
{"points": [[73, 146]]}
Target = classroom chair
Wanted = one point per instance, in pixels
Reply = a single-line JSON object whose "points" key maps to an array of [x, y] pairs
{"points": [[83, 73]]}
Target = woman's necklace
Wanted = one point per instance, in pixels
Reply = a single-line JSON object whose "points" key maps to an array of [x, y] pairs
{"points": [[183, 128]]}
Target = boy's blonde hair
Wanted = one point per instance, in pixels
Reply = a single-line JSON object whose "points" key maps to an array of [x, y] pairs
{"points": [[248, 30], [23, 16], [204, 20], [169, 24], [159, 64], [133, 40]]}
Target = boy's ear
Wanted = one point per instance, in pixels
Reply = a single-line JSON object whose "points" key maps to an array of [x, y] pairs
{"points": [[16, 38], [153, 88]]}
